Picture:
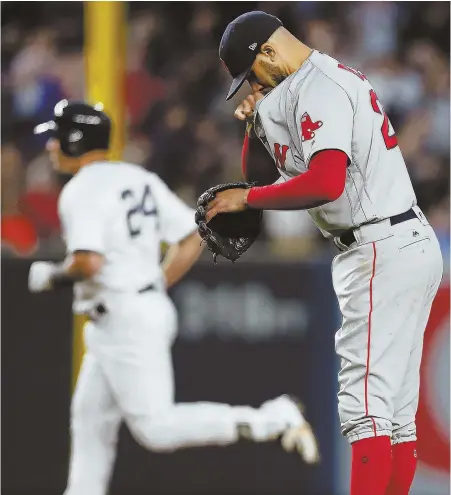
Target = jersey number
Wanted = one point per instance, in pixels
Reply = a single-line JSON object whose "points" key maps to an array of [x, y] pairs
{"points": [[141, 207], [390, 141]]}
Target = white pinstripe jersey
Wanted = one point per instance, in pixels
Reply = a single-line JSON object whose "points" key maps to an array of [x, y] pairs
{"points": [[326, 105], [123, 212]]}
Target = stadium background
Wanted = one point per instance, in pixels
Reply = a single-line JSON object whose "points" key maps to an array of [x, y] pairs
{"points": [[250, 331]]}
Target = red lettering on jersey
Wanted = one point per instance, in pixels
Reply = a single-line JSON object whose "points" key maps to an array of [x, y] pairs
{"points": [[354, 71], [308, 127], [280, 155], [390, 141]]}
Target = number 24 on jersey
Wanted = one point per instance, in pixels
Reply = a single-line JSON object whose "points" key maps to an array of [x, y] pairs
{"points": [[140, 205]]}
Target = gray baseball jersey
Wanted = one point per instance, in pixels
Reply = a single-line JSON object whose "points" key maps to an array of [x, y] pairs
{"points": [[386, 280], [327, 105]]}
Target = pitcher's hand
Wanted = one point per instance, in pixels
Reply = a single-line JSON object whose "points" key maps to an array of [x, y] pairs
{"points": [[245, 110], [228, 201]]}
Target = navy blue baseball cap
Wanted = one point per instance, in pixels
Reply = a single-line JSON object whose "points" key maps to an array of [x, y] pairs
{"points": [[241, 42]]}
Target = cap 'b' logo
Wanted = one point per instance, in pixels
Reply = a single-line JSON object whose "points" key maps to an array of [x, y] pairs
{"points": [[253, 46], [308, 127]]}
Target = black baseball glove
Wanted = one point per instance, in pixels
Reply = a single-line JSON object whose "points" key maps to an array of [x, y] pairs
{"points": [[227, 234]]}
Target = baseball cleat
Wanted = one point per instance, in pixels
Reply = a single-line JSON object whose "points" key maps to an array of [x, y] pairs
{"points": [[299, 437]]}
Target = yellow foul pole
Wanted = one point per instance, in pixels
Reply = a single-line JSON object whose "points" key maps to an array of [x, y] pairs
{"points": [[104, 52]]}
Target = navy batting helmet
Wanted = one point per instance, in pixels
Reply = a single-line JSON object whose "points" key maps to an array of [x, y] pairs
{"points": [[78, 127]]}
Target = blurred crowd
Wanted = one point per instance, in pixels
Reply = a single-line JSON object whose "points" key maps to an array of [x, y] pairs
{"points": [[179, 124]]}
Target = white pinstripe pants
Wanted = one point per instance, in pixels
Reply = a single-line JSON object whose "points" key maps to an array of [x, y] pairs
{"points": [[127, 375]]}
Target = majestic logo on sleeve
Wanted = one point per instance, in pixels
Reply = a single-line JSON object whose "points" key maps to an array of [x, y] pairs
{"points": [[308, 127]]}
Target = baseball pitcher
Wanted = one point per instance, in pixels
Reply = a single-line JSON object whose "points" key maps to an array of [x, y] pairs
{"points": [[114, 217], [338, 158]]}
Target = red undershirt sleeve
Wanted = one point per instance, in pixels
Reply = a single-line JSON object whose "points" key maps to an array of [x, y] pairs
{"points": [[323, 183]]}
